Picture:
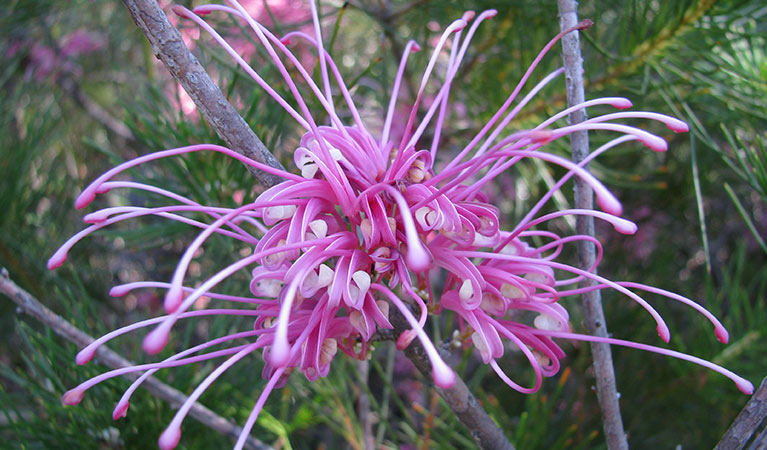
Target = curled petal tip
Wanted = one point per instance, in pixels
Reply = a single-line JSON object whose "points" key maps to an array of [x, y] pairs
{"points": [[57, 259], [745, 386], [169, 438], [121, 410], [722, 335], [85, 355], [664, 333], [156, 340], [72, 397]]}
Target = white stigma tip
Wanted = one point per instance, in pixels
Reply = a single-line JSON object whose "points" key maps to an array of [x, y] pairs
{"points": [[325, 275], [169, 438], [466, 291], [319, 227], [279, 212], [362, 279], [546, 322]]}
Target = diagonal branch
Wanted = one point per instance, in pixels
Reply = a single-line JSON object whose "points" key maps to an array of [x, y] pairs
{"points": [[169, 47], [750, 427], [607, 392], [31, 306]]}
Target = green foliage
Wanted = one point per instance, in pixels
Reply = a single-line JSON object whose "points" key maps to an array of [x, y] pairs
{"points": [[701, 60]]}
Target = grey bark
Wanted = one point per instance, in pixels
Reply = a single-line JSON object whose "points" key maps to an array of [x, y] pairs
{"points": [[607, 392]]}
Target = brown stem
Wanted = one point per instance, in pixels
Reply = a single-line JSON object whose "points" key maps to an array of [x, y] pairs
{"points": [[750, 427], [459, 399], [607, 392], [169, 47], [31, 306]]}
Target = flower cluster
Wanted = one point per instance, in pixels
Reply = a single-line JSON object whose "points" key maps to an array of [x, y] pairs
{"points": [[369, 224]]}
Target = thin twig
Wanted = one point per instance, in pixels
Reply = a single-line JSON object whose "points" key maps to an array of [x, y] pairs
{"points": [[169, 47], [31, 306], [749, 425], [459, 399], [363, 406], [607, 392]]}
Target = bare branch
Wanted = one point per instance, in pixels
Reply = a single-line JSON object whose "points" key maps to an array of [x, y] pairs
{"points": [[169, 47], [750, 426], [607, 392], [31, 306]]}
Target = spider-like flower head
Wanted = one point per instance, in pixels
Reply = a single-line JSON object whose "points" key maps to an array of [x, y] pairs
{"points": [[367, 224]]}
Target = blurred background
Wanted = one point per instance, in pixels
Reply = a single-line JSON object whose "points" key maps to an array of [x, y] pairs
{"points": [[82, 92]]}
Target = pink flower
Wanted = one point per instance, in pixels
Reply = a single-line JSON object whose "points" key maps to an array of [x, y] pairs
{"points": [[367, 223]]}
